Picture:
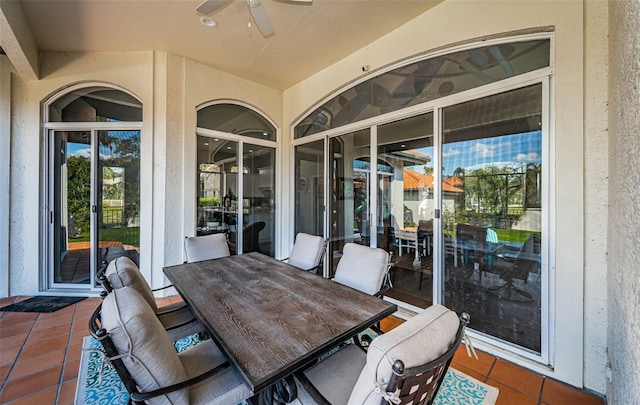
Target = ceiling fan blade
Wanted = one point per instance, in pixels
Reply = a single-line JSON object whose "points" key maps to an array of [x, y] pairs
{"points": [[209, 6], [261, 17]]}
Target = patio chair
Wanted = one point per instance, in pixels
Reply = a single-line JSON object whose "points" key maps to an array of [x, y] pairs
{"points": [[307, 252], [403, 366], [136, 345], [207, 247], [509, 269], [364, 268], [251, 237], [176, 318]]}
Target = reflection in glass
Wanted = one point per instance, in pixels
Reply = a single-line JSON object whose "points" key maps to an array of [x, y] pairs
{"points": [[405, 201], [492, 152], [258, 206], [236, 119], [95, 104], [426, 80], [350, 153], [217, 202], [309, 188]]}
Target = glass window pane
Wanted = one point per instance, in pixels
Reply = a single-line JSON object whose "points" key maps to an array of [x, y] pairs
{"points": [[405, 201], [350, 155], [258, 206], [119, 174], [95, 104], [217, 202], [426, 80], [236, 119], [492, 152], [309, 188]]}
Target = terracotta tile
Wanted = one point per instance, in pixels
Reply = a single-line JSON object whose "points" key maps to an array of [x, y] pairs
{"points": [[516, 377], [47, 396], [67, 393], [482, 365], [12, 341], [43, 334], [15, 329], [33, 365], [74, 352], [21, 387], [390, 323], [66, 311], [33, 349], [8, 355], [509, 396], [4, 372], [6, 301], [558, 393], [18, 317], [71, 369], [50, 322]]}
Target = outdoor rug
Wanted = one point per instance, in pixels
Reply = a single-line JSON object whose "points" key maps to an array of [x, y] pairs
{"points": [[42, 303], [99, 384]]}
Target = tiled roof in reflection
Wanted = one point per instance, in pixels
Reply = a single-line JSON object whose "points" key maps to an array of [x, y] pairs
{"points": [[414, 181]]}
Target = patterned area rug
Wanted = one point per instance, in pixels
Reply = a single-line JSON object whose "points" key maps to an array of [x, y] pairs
{"points": [[99, 384]]}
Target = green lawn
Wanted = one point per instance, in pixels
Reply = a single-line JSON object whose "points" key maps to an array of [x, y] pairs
{"points": [[512, 235], [128, 236]]}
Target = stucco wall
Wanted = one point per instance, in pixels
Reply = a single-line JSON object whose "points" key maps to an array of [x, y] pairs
{"points": [[453, 22], [595, 186], [624, 202], [169, 99]]}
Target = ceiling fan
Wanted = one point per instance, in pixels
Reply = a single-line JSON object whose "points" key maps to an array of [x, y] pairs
{"points": [[258, 12]]}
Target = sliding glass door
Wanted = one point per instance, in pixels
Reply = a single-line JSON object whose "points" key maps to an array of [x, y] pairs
{"points": [[95, 195]]}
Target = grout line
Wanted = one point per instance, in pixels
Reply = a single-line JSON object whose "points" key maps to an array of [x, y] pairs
{"points": [[66, 352], [15, 361], [544, 379]]}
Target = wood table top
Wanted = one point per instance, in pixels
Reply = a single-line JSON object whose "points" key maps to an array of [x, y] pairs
{"points": [[271, 318]]}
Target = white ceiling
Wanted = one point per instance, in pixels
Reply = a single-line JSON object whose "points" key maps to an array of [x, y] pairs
{"points": [[308, 36]]}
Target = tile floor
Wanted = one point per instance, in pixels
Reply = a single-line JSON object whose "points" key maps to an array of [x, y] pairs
{"points": [[40, 357]]}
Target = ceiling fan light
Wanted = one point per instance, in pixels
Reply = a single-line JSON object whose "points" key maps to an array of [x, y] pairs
{"points": [[208, 21]]}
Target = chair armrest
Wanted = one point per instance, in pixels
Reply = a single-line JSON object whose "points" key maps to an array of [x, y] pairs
{"points": [[162, 288], [143, 396]]}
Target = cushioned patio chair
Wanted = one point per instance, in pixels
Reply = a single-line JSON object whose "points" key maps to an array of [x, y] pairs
{"points": [[307, 252], [136, 345], [207, 247], [403, 366], [364, 268], [177, 319]]}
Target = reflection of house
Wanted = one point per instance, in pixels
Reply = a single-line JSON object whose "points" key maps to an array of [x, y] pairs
{"points": [[418, 193]]}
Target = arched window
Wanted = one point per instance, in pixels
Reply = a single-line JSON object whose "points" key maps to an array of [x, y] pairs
{"points": [[236, 155]]}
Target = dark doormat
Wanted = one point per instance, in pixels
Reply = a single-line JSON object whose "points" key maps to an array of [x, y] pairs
{"points": [[42, 303]]}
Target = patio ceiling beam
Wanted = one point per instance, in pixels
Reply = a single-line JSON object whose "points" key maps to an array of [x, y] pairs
{"points": [[17, 42]]}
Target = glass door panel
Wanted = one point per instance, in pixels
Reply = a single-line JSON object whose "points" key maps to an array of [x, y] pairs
{"points": [[404, 219], [309, 188], [350, 161], [217, 202], [71, 213], [492, 214], [258, 207], [118, 195]]}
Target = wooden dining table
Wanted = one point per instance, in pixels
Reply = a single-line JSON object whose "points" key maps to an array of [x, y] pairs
{"points": [[269, 318]]}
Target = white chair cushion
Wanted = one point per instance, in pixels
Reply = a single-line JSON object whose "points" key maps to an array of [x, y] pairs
{"points": [[307, 251], [417, 341], [199, 248], [362, 267], [225, 387], [148, 353], [123, 272]]}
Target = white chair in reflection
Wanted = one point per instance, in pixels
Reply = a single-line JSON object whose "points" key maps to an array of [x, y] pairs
{"points": [[307, 252], [199, 248]]}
